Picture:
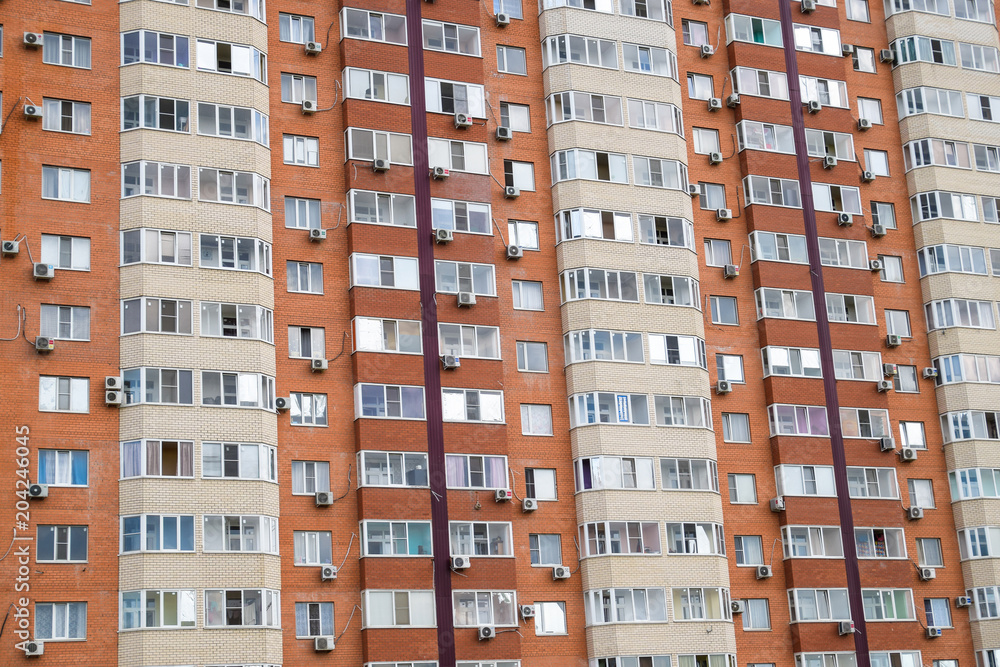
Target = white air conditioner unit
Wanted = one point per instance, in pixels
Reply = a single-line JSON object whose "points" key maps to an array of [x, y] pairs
{"points": [[317, 234], [309, 106], [814, 106], [461, 562], [38, 491], [33, 38], [113, 382], [808, 6], [884, 385], [845, 628], [876, 265], [113, 398], [907, 454], [313, 48], [10, 247], [693, 189], [963, 601], [867, 176], [847, 49], [845, 219], [733, 101], [764, 572], [450, 362], [327, 573], [510, 192], [723, 214], [32, 111], [777, 504], [714, 103], [527, 611], [887, 56], [319, 365], [738, 606], [34, 648], [887, 444], [487, 632], [930, 373], [724, 387], [890, 370], [893, 340], [44, 344], [913, 513], [707, 50], [864, 124], [878, 231], [730, 271], [438, 173], [44, 271], [561, 572], [466, 299], [926, 573], [443, 236], [282, 403], [380, 164], [503, 19], [324, 499], [503, 495], [462, 120], [504, 133], [715, 158], [323, 643], [529, 505], [933, 632], [829, 162]]}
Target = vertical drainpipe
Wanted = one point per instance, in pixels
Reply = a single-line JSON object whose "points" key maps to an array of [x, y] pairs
{"points": [[825, 346], [432, 369]]}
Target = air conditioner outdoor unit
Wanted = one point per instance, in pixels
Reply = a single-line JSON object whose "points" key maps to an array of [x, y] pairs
{"points": [[715, 158], [487, 632], [10, 247], [34, 648], [514, 252], [282, 403], [887, 444], [893, 340], [44, 344], [847, 49], [737, 606], [890, 370], [963, 601], [693, 189], [113, 398], [730, 271], [309, 106], [887, 56], [845, 219], [876, 265], [907, 454], [913, 513], [324, 499], [323, 644], [327, 573], [466, 299], [845, 628], [33, 38], [511, 192], [733, 100], [319, 364], [561, 572], [724, 387], [926, 573], [32, 111], [777, 504], [707, 50], [723, 214], [313, 48], [450, 362], [503, 495], [443, 236], [764, 572], [503, 19], [380, 164], [317, 234], [808, 6], [867, 176], [44, 271], [814, 106], [829, 162], [714, 103], [462, 120], [504, 133], [113, 382], [878, 231], [529, 505], [38, 491], [527, 611], [884, 385], [461, 562], [933, 631], [437, 173], [864, 124], [930, 373]]}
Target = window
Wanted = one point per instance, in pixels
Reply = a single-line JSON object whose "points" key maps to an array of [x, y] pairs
{"points": [[656, 173], [949, 313], [649, 60], [244, 390], [156, 179], [706, 660], [451, 38], [955, 258], [66, 116], [862, 423], [877, 162], [701, 604], [870, 109], [785, 304], [301, 150], [753, 30], [761, 83], [512, 7], [243, 534], [383, 335], [729, 367], [589, 165], [366, 84], [392, 469], [511, 60], [974, 10], [62, 467], [472, 405], [62, 544], [452, 97], [157, 609], [383, 208], [577, 50], [220, 252], [818, 604], [700, 86], [857, 10], [304, 277], [368, 145], [67, 50], [814, 39], [749, 550], [601, 345], [63, 394], [155, 532], [161, 113], [812, 542], [863, 59], [967, 368], [540, 483], [310, 477], [521, 175], [550, 618], [608, 408], [234, 187], [296, 29], [977, 56], [235, 59], [927, 152], [929, 552], [157, 458], [914, 101], [66, 184], [517, 117], [478, 608], [614, 472], [460, 216], [523, 234], [756, 615], [646, 9], [455, 277], [921, 493], [296, 88], [536, 419], [892, 268], [314, 619], [236, 320], [984, 604], [673, 350], [387, 609], [377, 27], [923, 49], [589, 107], [242, 607], [983, 542], [306, 343], [880, 542], [671, 290], [772, 191], [151, 315], [772, 247], [888, 604], [388, 401], [851, 308], [591, 223], [468, 471], [827, 92], [689, 475], [837, 198], [696, 538], [898, 322], [797, 362], [938, 612], [620, 537], [626, 605], [482, 539], [152, 246], [466, 156], [735, 427], [145, 46], [776, 138], [527, 295], [64, 322], [883, 214], [872, 483], [983, 107], [253, 8], [793, 480], [705, 140], [742, 489], [313, 547], [724, 310], [66, 252], [308, 409], [906, 379]]}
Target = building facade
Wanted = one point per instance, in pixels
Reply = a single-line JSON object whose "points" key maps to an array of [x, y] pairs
{"points": [[559, 388]]}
